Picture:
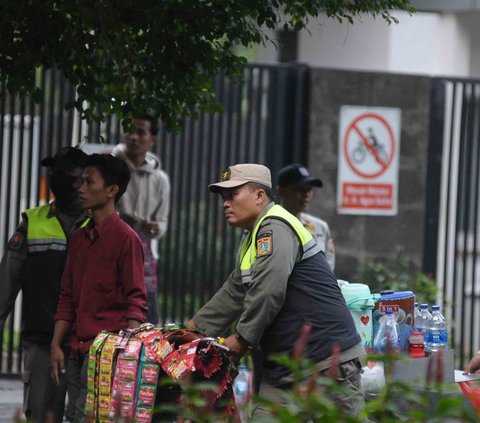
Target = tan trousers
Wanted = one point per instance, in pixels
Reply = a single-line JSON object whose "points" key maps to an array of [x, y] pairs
{"points": [[348, 376]]}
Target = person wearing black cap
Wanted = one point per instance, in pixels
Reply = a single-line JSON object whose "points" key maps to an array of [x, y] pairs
{"points": [[33, 263], [295, 189], [281, 282]]}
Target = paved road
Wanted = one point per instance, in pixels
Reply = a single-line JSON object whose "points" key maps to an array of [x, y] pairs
{"points": [[11, 397]]}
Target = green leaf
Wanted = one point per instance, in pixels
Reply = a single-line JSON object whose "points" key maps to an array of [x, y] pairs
{"points": [[163, 54]]}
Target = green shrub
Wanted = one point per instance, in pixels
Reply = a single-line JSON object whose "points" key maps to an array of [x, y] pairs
{"points": [[396, 402], [397, 274]]}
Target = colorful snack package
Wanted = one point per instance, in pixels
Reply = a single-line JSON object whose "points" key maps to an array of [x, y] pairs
{"points": [[182, 361], [143, 415], [105, 376], [149, 373], [146, 395], [92, 372], [90, 405], [124, 391], [207, 361], [147, 386], [103, 408], [132, 349], [148, 356], [126, 369], [156, 343], [125, 379]]}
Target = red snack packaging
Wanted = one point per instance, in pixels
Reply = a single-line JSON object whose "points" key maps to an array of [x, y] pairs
{"points": [[143, 415], [149, 374], [182, 361], [157, 345], [146, 395]]}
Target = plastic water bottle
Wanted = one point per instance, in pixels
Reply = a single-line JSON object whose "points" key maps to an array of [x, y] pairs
{"points": [[437, 331], [422, 320], [416, 312], [387, 334], [242, 390]]}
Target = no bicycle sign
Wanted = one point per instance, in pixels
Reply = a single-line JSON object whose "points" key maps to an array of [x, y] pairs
{"points": [[368, 147]]}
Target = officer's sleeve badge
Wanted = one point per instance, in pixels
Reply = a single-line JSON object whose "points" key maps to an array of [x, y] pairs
{"points": [[16, 241], [264, 244]]}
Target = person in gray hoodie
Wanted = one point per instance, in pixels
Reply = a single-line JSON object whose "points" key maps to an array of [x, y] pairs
{"points": [[146, 203]]}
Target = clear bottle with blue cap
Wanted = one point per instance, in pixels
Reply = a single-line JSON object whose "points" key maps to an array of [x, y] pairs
{"points": [[242, 390], [437, 334], [417, 312], [422, 321], [387, 336]]}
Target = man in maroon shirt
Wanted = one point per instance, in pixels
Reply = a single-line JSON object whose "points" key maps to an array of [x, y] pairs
{"points": [[102, 285]]}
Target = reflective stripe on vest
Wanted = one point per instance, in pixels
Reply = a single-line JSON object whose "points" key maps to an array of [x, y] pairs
{"points": [[248, 252], [45, 233]]}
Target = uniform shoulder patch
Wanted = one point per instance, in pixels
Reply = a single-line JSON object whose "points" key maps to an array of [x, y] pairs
{"points": [[264, 244], [16, 241]]}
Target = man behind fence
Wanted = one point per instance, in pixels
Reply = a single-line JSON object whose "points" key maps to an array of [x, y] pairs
{"points": [[146, 203]]}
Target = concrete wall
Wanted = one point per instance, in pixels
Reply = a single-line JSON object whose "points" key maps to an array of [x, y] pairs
{"points": [[425, 43], [359, 238]]}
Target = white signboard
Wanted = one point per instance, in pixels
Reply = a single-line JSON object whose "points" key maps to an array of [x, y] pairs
{"points": [[368, 155]]}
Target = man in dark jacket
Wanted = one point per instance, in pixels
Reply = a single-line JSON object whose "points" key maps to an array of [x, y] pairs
{"points": [[33, 263]]}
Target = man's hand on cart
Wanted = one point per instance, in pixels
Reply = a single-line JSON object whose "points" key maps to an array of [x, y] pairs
{"points": [[236, 345], [190, 324]]}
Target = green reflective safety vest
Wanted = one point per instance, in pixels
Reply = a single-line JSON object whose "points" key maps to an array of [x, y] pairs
{"points": [[42, 273], [44, 232], [248, 252]]}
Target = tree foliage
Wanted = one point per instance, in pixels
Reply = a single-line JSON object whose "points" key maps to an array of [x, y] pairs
{"points": [[157, 56]]}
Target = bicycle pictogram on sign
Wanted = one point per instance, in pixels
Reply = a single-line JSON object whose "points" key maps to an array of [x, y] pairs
{"points": [[369, 145]]}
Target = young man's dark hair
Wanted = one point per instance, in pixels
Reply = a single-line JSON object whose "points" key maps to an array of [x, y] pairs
{"points": [[113, 170], [154, 128], [153, 123]]}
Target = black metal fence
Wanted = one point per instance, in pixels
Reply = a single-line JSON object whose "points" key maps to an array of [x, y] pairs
{"points": [[452, 241], [264, 121]]}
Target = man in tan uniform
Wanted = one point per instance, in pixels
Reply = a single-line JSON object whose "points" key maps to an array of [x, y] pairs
{"points": [[295, 188], [281, 281]]}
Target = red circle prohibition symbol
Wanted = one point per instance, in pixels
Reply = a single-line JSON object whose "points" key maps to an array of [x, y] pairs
{"points": [[370, 149]]}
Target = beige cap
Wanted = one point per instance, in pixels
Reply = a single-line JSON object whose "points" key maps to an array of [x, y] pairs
{"points": [[240, 174]]}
